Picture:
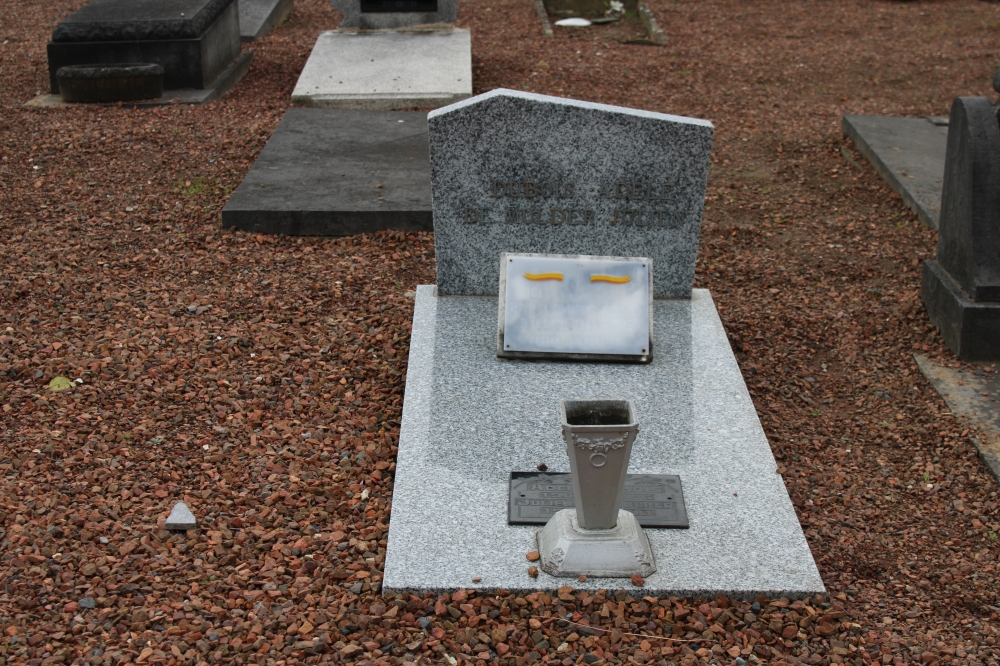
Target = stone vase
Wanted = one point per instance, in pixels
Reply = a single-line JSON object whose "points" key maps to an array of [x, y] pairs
{"points": [[599, 436]]}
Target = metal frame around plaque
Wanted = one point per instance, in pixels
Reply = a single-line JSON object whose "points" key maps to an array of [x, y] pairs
{"points": [[502, 352], [558, 495]]}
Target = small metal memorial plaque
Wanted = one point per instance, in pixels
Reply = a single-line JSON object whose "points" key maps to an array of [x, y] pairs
{"points": [[575, 307], [398, 6], [656, 500]]}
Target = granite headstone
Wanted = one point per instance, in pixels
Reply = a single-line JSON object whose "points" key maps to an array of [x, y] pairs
{"points": [[395, 14], [961, 288], [194, 41], [519, 172]]}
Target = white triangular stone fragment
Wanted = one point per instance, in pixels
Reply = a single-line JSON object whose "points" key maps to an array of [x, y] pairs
{"points": [[181, 518], [575, 22]]}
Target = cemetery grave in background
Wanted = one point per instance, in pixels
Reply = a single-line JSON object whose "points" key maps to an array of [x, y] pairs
{"points": [[259, 379]]}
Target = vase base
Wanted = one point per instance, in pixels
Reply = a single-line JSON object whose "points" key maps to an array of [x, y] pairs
{"points": [[567, 550]]}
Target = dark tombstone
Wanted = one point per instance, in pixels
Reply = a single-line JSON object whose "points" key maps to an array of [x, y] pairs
{"points": [[961, 288], [398, 6], [195, 41], [258, 17], [395, 14]]}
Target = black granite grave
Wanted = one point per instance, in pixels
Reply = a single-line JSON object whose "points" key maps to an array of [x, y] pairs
{"points": [[961, 288], [195, 41], [327, 172]]}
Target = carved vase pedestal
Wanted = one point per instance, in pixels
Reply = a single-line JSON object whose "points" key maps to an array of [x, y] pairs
{"points": [[597, 538], [569, 550]]}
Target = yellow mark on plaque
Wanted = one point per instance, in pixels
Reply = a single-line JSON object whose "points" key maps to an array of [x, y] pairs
{"points": [[611, 278], [543, 276]]}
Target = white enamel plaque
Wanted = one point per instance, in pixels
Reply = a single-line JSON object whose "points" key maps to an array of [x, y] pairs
{"points": [[575, 307]]}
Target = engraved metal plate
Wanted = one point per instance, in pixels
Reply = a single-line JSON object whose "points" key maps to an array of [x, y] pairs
{"points": [[575, 307], [656, 500]]}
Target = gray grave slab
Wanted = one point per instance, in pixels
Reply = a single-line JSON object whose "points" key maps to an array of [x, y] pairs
{"points": [[973, 395], [386, 70], [908, 153], [258, 17], [520, 172], [194, 41], [470, 418], [318, 173], [395, 14]]}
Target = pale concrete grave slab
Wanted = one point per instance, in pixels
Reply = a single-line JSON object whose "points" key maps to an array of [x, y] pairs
{"points": [[908, 153], [334, 172], [387, 70], [469, 418]]}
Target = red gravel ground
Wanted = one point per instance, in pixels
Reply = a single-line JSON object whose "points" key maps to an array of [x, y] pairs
{"points": [[261, 379]]}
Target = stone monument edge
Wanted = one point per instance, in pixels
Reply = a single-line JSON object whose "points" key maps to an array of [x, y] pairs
{"points": [[566, 101], [354, 18]]}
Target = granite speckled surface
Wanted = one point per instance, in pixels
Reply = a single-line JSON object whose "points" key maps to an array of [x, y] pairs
{"points": [[470, 418], [519, 172], [317, 174]]}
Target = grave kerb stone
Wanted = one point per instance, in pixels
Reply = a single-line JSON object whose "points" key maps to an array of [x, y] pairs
{"points": [[334, 172]]}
